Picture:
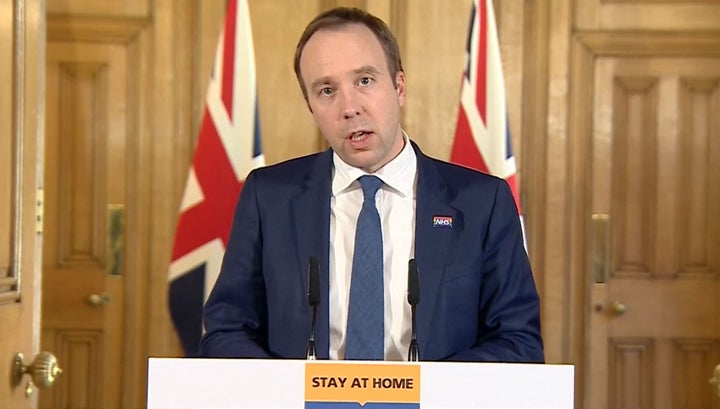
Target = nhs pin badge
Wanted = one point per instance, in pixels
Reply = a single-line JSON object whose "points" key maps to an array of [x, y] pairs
{"points": [[443, 222]]}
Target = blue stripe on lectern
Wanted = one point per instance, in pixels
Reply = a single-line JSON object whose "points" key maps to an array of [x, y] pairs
{"points": [[355, 405]]}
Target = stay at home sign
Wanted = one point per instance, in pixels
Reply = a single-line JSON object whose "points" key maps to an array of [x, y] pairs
{"points": [[361, 385]]}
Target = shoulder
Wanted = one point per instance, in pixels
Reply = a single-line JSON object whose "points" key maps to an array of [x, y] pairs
{"points": [[462, 187], [457, 177], [295, 169], [458, 171]]}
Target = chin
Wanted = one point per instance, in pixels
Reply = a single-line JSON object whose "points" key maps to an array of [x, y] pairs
{"points": [[357, 160]]}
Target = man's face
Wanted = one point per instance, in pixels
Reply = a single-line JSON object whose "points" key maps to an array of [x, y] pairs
{"points": [[352, 97]]}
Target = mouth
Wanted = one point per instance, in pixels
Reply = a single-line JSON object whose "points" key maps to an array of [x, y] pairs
{"points": [[358, 136]]}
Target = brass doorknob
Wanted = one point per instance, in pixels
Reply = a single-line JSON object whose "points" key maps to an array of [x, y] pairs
{"points": [[98, 299], [618, 308], [43, 371], [715, 380]]}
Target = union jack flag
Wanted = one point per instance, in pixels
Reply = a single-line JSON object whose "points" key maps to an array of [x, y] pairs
{"points": [[482, 135], [228, 148]]}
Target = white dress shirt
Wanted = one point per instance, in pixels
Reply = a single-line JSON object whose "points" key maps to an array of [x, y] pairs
{"points": [[395, 202]]}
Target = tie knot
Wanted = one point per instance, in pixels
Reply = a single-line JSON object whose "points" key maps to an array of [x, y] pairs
{"points": [[370, 185]]}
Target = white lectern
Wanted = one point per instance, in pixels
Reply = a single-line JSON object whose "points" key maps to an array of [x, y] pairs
{"points": [[244, 383]]}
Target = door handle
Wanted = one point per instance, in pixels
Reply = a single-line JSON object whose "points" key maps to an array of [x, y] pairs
{"points": [[618, 308], [43, 371], [98, 300], [715, 380]]}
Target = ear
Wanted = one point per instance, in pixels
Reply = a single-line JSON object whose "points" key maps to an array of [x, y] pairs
{"points": [[400, 87]]}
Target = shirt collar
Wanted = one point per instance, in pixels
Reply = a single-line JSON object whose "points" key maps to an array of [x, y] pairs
{"points": [[398, 174]]}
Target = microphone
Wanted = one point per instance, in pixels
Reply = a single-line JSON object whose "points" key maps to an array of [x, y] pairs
{"points": [[313, 295], [413, 297]]}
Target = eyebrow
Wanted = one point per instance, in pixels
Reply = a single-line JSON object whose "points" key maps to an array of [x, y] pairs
{"points": [[365, 69]]}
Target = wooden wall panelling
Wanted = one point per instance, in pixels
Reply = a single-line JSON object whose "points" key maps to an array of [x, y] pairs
{"points": [[109, 8], [534, 172], [510, 16], [647, 15], [676, 15], [575, 225], [549, 177], [206, 28], [89, 28], [286, 124], [137, 218], [434, 60], [170, 130]]}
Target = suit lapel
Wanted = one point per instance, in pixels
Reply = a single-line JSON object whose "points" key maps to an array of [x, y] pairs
{"points": [[431, 240], [311, 227]]}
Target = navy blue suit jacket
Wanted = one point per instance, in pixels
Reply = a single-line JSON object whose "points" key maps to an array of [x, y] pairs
{"points": [[478, 299]]}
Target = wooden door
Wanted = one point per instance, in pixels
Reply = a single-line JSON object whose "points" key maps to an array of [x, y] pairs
{"points": [[655, 231], [20, 192], [85, 196]]}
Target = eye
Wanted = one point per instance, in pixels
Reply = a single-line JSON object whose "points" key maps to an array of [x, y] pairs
{"points": [[326, 91], [365, 81]]}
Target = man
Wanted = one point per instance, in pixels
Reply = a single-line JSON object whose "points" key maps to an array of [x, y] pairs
{"points": [[478, 298]]}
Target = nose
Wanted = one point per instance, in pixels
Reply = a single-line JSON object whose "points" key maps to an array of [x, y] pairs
{"points": [[352, 106]]}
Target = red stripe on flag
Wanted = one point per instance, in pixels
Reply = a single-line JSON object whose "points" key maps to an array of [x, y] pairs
{"points": [[211, 218], [464, 151], [228, 74]]}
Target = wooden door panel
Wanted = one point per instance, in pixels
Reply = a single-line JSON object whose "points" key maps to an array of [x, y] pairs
{"points": [[691, 359], [655, 323], [630, 372], [82, 382], [665, 308]]}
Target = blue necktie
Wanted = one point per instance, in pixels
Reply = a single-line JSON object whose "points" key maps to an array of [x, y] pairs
{"points": [[366, 314]]}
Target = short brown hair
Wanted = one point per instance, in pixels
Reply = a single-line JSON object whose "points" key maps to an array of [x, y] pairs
{"points": [[340, 16]]}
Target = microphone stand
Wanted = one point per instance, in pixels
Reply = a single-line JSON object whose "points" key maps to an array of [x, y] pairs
{"points": [[313, 300], [413, 296]]}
